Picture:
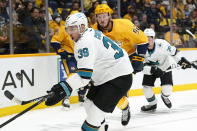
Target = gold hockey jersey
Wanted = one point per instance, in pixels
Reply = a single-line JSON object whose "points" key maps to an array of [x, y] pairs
{"points": [[126, 34], [64, 40]]}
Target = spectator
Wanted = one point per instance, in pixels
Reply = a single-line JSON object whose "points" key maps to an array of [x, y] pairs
{"points": [[4, 48], [153, 15], [165, 9], [3, 11], [115, 13], [152, 26], [178, 13], [144, 23], [124, 7], [135, 17], [158, 7], [3, 30], [130, 13], [32, 23], [43, 7], [40, 2], [23, 13], [140, 4], [137, 23], [53, 5], [14, 14], [180, 5], [186, 11], [56, 23], [3, 39], [92, 19], [19, 4], [91, 10], [64, 14], [89, 4], [191, 4], [193, 17], [175, 36], [75, 6], [42, 25], [15, 19]]}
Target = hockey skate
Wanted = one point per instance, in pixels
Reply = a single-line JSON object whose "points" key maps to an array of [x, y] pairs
{"points": [[104, 126], [166, 101], [149, 107], [125, 116], [66, 103]]}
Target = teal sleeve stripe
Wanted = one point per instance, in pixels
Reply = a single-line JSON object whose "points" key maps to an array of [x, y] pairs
{"points": [[65, 88], [88, 128], [85, 74]]}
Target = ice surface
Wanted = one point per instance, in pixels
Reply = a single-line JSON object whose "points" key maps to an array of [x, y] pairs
{"points": [[182, 116]]}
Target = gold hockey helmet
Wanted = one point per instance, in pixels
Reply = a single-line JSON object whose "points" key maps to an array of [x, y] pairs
{"points": [[103, 8]]}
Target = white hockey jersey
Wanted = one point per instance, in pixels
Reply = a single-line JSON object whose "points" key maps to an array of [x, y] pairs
{"points": [[162, 55], [98, 58]]}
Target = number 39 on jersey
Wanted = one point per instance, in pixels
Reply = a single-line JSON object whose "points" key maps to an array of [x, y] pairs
{"points": [[108, 42]]}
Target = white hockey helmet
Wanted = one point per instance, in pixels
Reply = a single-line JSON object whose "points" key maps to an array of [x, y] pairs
{"points": [[149, 32], [77, 19]]}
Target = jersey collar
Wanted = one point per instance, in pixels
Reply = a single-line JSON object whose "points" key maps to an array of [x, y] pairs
{"points": [[151, 51]]}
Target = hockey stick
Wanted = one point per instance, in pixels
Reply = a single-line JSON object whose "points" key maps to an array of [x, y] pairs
{"points": [[23, 112], [10, 96], [192, 63], [189, 32]]}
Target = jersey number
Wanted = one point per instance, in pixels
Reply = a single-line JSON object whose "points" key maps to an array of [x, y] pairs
{"points": [[107, 42], [83, 53]]}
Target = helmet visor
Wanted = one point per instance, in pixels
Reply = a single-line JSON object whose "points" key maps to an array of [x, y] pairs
{"points": [[72, 29]]}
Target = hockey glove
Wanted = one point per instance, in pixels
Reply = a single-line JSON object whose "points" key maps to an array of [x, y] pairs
{"points": [[157, 72], [184, 63], [58, 92], [63, 54], [137, 63]]}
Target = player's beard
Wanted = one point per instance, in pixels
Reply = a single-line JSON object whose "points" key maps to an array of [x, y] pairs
{"points": [[105, 27]]}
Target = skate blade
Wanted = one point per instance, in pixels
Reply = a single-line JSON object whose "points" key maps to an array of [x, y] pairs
{"points": [[150, 111]]}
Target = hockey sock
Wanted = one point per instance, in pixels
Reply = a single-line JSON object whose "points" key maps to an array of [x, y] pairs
{"points": [[88, 127]]}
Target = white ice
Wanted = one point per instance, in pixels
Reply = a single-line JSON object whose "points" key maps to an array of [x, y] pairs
{"points": [[182, 117]]}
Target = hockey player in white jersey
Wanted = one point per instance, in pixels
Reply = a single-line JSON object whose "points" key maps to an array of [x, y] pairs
{"points": [[102, 61], [160, 57]]}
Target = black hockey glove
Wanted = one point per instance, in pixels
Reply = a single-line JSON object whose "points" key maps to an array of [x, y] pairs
{"points": [[157, 72], [184, 63], [58, 92], [137, 63]]}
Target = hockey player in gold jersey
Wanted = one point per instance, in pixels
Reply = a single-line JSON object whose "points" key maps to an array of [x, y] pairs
{"points": [[62, 42], [129, 37]]}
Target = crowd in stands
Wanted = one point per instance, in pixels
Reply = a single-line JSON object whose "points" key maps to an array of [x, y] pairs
{"points": [[29, 20]]}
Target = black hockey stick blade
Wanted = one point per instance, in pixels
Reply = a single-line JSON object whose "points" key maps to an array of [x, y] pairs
{"points": [[8, 94], [21, 113]]}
